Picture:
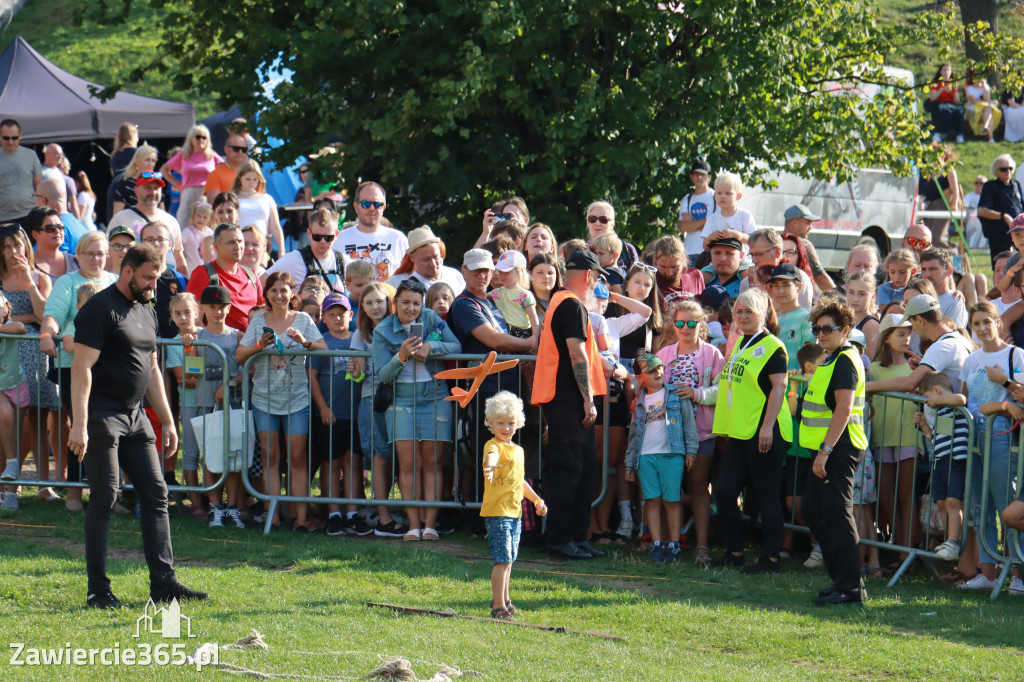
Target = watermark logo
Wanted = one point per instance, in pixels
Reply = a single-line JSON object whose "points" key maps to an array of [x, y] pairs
{"points": [[166, 622]]}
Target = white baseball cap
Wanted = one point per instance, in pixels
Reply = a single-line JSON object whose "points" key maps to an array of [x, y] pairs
{"points": [[478, 259], [510, 260]]}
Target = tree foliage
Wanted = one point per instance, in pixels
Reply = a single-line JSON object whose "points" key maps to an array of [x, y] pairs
{"points": [[452, 103]]}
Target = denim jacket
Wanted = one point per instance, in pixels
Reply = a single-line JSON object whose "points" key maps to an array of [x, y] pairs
{"points": [[389, 335], [682, 427]]}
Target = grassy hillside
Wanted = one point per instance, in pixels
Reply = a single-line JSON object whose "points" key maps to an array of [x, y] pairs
{"points": [[103, 54]]}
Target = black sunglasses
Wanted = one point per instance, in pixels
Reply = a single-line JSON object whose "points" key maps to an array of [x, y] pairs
{"points": [[692, 324], [1005, 169], [8, 138], [50, 229], [368, 204], [603, 219], [238, 149], [825, 329], [322, 237], [411, 285]]}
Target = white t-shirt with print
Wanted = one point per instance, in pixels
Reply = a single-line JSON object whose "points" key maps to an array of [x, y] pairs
{"points": [[656, 431], [974, 374], [384, 249], [700, 207]]}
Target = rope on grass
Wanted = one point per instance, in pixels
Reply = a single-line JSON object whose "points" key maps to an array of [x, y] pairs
{"points": [[400, 670]]}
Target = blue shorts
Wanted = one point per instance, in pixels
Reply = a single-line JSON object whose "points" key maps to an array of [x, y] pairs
{"points": [[661, 476], [948, 479], [294, 424], [503, 538]]}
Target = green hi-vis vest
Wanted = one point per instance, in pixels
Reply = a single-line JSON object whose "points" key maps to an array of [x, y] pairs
{"points": [[816, 416], [740, 399]]}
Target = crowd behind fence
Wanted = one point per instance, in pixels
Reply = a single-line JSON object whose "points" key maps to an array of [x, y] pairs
{"points": [[911, 534]]}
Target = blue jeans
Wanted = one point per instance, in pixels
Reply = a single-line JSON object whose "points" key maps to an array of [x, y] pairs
{"points": [[1001, 484]]}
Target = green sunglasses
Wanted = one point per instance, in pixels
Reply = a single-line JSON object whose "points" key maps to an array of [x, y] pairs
{"points": [[692, 324]]}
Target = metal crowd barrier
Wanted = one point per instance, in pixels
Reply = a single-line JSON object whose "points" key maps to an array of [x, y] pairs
{"points": [[62, 460], [464, 451], [1005, 481]]}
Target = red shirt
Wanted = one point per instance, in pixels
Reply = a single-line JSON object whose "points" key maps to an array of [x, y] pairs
{"points": [[691, 283], [243, 295]]}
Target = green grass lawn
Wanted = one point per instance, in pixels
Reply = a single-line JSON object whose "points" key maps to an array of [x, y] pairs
{"points": [[307, 594]]}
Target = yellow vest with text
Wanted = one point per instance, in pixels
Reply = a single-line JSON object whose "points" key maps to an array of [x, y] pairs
{"points": [[816, 417], [738, 416]]}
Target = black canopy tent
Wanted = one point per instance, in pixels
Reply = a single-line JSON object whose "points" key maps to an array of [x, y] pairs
{"points": [[53, 105]]}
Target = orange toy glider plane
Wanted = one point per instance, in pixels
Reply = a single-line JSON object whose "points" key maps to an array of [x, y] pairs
{"points": [[477, 374]]}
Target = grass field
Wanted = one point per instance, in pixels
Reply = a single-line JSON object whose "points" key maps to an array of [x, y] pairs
{"points": [[306, 595]]}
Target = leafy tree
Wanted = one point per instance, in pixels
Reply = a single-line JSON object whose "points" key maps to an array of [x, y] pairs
{"points": [[452, 103]]}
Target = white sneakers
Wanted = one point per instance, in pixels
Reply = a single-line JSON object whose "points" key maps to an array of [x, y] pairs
{"points": [[948, 550], [1016, 588], [8, 501], [625, 529], [978, 582], [815, 560]]}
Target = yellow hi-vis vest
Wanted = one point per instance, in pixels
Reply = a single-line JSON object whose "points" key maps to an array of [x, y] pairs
{"points": [[816, 416], [740, 399]]}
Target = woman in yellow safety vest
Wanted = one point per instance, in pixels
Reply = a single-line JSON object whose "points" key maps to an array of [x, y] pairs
{"points": [[750, 408], [832, 425]]}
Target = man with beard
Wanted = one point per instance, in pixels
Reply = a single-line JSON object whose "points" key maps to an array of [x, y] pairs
{"points": [[149, 192], [676, 280], [115, 339], [370, 239], [725, 265]]}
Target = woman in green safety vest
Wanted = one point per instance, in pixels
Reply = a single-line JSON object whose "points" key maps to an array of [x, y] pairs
{"points": [[750, 408], [832, 425]]}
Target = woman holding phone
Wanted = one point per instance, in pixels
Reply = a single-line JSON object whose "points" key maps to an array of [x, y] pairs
{"points": [[406, 346]]}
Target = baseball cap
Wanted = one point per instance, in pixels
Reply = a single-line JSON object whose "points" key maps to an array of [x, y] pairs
{"points": [[700, 167], [583, 260], [601, 292], [147, 177], [421, 236], [510, 260], [713, 296], [478, 259], [734, 243], [334, 298], [1018, 223], [646, 362], [800, 211], [857, 337], [784, 271], [918, 305], [215, 295], [890, 321], [121, 230]]}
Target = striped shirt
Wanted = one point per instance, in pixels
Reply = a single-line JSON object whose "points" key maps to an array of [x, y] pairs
{"points": [[951, 434]]}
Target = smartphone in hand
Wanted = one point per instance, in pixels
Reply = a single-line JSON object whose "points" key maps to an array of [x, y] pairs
{"points": [[416, 330]]}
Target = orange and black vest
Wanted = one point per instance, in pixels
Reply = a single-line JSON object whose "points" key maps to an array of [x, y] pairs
{"points": [[547, 357]]}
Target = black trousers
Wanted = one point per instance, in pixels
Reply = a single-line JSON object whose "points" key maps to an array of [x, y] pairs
{"points": [[125, 440], [570, 466], [740, 461], [998, 238], [828, 510]]}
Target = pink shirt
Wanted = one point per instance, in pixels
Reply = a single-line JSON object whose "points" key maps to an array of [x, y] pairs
{"points": [[194, 168], [697, 370]]}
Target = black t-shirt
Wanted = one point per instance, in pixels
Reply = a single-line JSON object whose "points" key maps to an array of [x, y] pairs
{"points": [[125, 335], [844, 377], [569, 321], [124, 191], [1002, 198], [776, 365], [469, 312], [931, 191], [170, 284]]}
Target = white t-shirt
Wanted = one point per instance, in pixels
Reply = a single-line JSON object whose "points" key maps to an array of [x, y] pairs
{"points": [[1003, 307], [449, 276], [294, 265], [384, 248], [975, 377], [741, 221], [136, 222], [954, 309], [947, 355], [656, 430], [256, 210], [700, 207]]}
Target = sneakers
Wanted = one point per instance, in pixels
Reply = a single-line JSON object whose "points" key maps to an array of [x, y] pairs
{"points": [[762, 566], [234, 516], [1016, 587], [217, 516], [728, 560], [657, 554], [10, 502], [390, 530], [357, 526], [336, 525], [948, 550], [978, 582], [257, 513], [674, 555], [815, 560], [177, 591], [625, 529], [103, 600]]}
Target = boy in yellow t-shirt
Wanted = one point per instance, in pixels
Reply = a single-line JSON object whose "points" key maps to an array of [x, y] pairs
{"points": [[502, 506]]}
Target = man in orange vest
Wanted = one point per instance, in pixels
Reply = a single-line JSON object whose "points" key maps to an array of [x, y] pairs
{"points": [[569, 374]]}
